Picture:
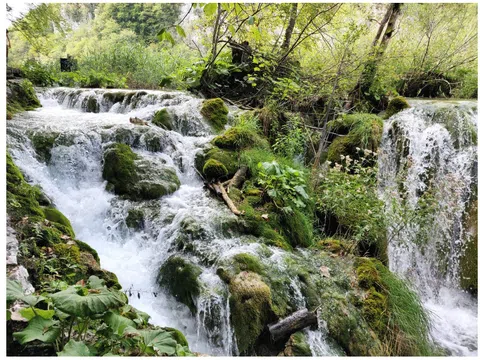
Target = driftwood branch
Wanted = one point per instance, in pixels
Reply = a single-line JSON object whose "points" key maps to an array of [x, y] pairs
{"points": [[291, 324], [239, 178]]}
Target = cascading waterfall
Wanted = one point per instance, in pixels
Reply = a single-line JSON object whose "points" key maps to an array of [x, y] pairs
{"points": [[427, 178], [83, 123]]}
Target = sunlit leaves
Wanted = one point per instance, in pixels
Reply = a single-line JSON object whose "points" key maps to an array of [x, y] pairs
{"points": [[210, 9], [38, 329], [77, 348]]}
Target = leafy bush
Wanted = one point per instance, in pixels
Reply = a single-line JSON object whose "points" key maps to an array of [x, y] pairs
{"points": [[284, 185], [89, 319], [39, 74], [290, 142]]}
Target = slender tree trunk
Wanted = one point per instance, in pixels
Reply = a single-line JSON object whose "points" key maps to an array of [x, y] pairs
{"points": [[291, 25]]}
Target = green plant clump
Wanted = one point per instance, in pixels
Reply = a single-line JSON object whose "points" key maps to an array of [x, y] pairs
{"points": [[215, 111], [396, 105]]}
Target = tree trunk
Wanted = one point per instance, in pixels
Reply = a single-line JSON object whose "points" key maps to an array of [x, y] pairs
{"points": [[291, 324], [387, 28], [291, 25]]}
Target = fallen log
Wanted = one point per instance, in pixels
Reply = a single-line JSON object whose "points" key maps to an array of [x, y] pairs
{"points": [[219, 189], [239, 178], [291, 324]]}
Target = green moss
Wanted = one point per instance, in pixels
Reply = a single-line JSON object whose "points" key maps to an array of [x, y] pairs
{"points": [[215, 111], [297, 345], [55, 215], [250, 303], [363, 131], [72, 252], [180, 278], [214, 169], [163, 119], [135, 219], [297, 228], [20, 97], [469, 259], [237, 138], [119, 168], [87, 248], [43, 144], [396, 105], [335, 246], [247, 262]]}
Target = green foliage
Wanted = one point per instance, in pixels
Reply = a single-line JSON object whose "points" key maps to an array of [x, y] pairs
{"points": [[215, 111], [38, 73], [20, 97], [54, 215], [91, 78], [291, 141], [88, 320], [347, 194], [284, 185]]}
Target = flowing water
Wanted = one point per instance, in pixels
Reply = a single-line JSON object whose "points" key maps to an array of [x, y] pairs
{"points": [[428, 179], [88, 120]]}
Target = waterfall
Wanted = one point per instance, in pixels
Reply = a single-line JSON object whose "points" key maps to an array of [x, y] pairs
{"points": [[427, 178], [82, 122]]}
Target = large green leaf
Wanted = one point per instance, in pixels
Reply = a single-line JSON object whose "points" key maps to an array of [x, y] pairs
{"points": [[94, 282], [15, 292], [209, 9], [30, 313], [77, 348], [117, 322], [83, 304], [160, 340], [38, 329]]}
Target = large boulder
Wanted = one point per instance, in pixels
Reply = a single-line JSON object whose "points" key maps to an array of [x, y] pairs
{"points": [[137, 178], [215, 112]]}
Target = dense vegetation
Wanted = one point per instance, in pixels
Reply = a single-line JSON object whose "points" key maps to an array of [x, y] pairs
{"points": [[315, 83]]}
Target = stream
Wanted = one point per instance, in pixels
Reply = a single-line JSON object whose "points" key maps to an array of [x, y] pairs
{"points": [[73, 180]]}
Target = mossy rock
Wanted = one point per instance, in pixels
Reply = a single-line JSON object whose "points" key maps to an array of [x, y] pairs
{"points": [[215, 111], [136, 178], [247, 262], [135, 219], [91, 105], [20, 97], [66, 250], [237, 138], [335, 246], [229, 159], [55, 215], [469, 259], [396, 105], [297, 345], [250, 304], [83, 246], [43, 144], [362, 131], [214, 170], [180, 278], [163, 119]]}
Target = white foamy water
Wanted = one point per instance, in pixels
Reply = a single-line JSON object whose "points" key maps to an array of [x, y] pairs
{"points": [[427, 177]]}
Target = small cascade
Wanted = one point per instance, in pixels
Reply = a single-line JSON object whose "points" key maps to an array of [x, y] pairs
{"points": [[427, 178], [79, 124]]}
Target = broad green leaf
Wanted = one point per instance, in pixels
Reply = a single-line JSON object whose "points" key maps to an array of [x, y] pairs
{"points": [[94, 282], [14, 290], [251, 20], [238, 8], [76, 348], [231, 28], [299, 189], [38, 329], [97, 301], [117, 323], [30, 313], [180, 31], [160, 340], [209, 9]]}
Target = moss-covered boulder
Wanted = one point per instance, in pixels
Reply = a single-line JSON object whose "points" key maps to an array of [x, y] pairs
{"points": [[134, 177], [90, 104], [215, 112], [214, 170], [237, 138], [228, 158], [135, 219], [250, 303], [20, 97], [54, 215], [297, 345], [358, 131], [163, 119], [180, 278], [396, 105], [43, 143], [469, 258]]}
